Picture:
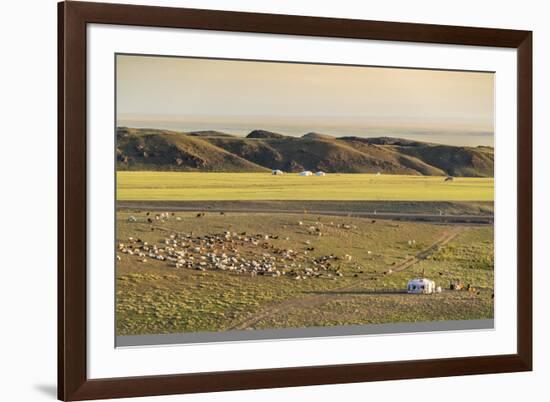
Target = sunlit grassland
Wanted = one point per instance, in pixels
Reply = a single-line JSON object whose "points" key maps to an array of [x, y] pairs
{"points": [[186, 186], [153, 297]]}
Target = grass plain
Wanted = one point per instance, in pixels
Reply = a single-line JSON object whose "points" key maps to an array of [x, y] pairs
{"points": [[155, 298], [187, 186]]}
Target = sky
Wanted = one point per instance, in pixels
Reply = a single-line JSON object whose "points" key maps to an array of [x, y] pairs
{"points": [[237, 97]]}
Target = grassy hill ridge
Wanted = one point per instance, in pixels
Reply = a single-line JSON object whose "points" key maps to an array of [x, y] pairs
{"points": [[212, 151]]}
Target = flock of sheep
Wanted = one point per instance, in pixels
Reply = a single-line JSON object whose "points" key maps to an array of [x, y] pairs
{"points": [[241, 253]]}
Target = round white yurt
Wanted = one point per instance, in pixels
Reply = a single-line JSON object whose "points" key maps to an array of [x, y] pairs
{"points": [[305, 173], [276, 172], [421, 285], [320, 173]]}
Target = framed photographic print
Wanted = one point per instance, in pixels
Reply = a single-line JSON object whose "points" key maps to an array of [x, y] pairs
{"points": [[253, 200]]}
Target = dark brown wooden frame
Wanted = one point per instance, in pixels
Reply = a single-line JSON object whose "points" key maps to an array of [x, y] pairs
{"points": [[73, 17]]}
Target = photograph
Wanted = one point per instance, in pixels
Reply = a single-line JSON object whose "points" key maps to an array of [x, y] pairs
{"points": [[254, 196]]}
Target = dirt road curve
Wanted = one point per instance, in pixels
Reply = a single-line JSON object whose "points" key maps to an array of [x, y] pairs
{"points": [[445, 238], [309, 301]]}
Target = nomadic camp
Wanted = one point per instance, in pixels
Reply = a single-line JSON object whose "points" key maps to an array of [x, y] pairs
{"points": [[320, 173], [277, 172], [421, 286], [305, 173]]}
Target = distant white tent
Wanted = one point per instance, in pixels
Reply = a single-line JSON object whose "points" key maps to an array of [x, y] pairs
{"points": [[277, 172], [305, 173], [421, 285], [320, 173]]}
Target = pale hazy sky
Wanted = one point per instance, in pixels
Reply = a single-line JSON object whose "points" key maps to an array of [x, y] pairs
{"points": [[238, 96]]}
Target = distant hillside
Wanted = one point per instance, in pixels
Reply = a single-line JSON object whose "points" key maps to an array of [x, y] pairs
{"points": [[209, 133], [145, 149], [385, 141], [456, 161], [209, 151], [264, 134], [318, 136]]}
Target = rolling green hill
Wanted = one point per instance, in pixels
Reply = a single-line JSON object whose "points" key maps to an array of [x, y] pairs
{"points": [[213, 151], [163, 150]]}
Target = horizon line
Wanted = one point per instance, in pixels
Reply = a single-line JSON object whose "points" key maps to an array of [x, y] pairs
{"points": [[366, 136]]}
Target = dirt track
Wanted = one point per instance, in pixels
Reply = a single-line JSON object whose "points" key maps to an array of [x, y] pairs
{"points": [[445, 238], [345, 291], [403, 216]]}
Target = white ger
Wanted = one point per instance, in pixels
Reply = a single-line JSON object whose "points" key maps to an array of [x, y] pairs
{"points": [[305, 173], [277, 172], [320, 173], [421, 285]]}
